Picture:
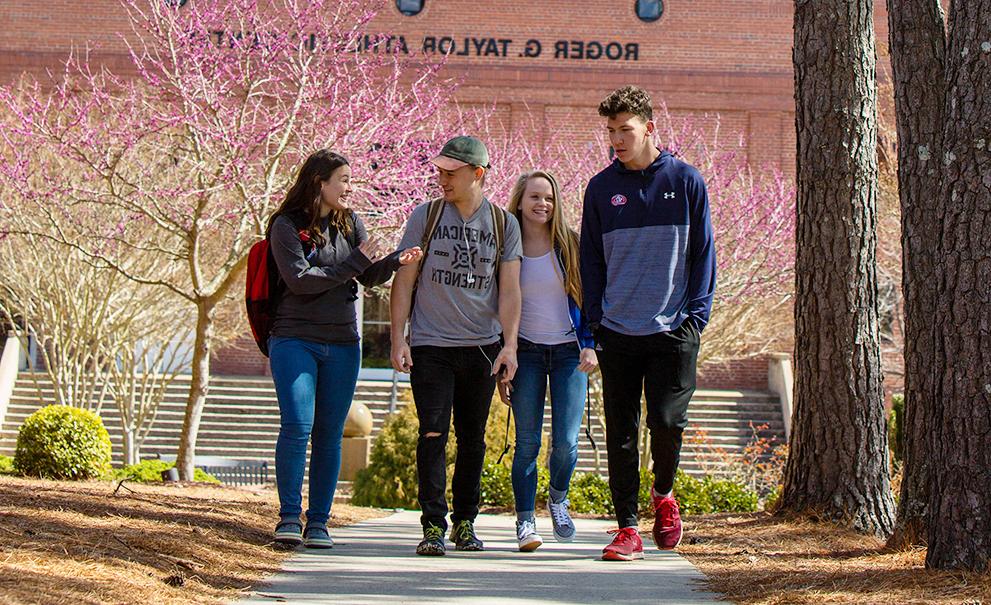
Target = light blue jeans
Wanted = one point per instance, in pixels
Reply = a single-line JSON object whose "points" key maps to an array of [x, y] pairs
{"points": [[315, 383], [538, 364]]}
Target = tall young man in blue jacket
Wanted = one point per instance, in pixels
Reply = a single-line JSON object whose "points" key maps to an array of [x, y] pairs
{"points": [[648, 269]]}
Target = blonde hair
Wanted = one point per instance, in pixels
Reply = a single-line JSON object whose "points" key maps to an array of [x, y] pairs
{"points": [[563, 238]]}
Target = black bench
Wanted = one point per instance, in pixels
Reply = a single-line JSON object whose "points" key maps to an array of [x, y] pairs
{"points": [[229, 471]]}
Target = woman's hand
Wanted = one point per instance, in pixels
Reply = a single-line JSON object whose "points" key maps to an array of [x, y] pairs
{"points": [[373, 248], [587, 360], [410, 255]]}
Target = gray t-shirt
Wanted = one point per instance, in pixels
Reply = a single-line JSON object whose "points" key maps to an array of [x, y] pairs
{"points": [[457, 297]]}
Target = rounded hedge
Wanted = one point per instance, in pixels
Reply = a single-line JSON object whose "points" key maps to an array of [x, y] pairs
{"points": [[63, 442]]}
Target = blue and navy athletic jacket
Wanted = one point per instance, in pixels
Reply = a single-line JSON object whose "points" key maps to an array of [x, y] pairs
{"points": [[648, 261]]}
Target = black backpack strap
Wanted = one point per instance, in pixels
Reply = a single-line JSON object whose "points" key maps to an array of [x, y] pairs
{"points": [[434, 213], [499, 223]]}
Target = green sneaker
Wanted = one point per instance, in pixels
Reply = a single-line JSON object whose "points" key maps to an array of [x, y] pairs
{"points": [[433, 541], [463, 536]]}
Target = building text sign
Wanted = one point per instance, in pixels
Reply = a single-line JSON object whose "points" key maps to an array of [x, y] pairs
{"points": [[467, 46]]}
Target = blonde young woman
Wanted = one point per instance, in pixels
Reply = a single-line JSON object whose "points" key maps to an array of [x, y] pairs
{"points": [[555, 346]]}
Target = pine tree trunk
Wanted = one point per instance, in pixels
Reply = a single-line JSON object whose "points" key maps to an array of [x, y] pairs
{"points": [[918, 40], [198, 386], [838, 465], [960, 500]]}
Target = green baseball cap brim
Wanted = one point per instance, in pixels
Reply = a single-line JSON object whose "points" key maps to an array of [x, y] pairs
{"points": [[462, 151]]}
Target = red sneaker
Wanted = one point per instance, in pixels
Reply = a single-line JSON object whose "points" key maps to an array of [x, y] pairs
{"points": [[667, 523], [625, 546]]}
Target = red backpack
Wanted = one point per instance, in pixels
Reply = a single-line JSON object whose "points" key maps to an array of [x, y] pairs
{"points": [[262, 288]]}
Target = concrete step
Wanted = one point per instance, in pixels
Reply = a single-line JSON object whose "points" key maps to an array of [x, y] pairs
{"points": [[241, 419]]}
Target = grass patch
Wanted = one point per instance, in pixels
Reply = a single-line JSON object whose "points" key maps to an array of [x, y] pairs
{"points": [[85, 542]]}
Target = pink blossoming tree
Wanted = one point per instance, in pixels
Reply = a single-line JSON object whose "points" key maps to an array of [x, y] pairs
{"points": [[186, 157]]}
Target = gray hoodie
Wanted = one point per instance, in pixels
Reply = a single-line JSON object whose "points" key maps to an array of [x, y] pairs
{"points": [[317, 300]]}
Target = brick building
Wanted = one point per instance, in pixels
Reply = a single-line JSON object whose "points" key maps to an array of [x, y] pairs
{"points": [[545, 65]]}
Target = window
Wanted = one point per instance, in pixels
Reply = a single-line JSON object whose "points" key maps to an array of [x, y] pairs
{"points": [[376, 345], [649, 10], [409, 7]]}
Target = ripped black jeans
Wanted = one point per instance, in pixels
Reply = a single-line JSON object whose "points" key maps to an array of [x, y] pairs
{"points": [[448, 380]]}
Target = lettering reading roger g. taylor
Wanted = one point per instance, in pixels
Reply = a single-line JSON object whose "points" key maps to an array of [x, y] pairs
{"points": [[592, 50], [532, 48]]}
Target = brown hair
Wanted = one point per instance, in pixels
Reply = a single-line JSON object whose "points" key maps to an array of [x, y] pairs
{"points": [[304, 195], [630, 99], [563, 239]]}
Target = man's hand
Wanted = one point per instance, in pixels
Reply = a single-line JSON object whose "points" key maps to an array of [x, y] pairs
{"points": [[587, 360], [504, 366], [402, 359]]}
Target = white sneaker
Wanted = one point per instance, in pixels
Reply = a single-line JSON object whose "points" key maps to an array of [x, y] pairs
{"points": [[526, 535], [564, 527]]}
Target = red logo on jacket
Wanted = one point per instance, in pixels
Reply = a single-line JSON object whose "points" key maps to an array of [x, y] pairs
{"points": [[618, 200]]}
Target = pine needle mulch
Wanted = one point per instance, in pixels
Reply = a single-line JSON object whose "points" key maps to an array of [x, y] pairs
{"points": [[761, 559], [88, 542]]}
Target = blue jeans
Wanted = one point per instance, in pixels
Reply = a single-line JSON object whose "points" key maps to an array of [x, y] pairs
{"points": [[537, 364], [315, 384]]}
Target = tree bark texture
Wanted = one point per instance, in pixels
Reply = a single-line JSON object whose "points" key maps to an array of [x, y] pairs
{"points": [[917, 43], [960, 500], [198, 388], [838, 465]]}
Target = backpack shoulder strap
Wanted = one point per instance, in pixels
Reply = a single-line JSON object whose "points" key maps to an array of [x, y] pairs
{"points": [[434, 212], [499, 223]]}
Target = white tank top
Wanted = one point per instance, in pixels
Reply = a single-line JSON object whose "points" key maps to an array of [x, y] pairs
{"points": [[544, 319]]}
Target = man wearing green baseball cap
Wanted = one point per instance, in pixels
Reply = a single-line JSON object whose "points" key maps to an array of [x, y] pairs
{"points": [[463, 325]]}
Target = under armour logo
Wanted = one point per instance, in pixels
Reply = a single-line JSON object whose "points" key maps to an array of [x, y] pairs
{"points": [[669, 195]]}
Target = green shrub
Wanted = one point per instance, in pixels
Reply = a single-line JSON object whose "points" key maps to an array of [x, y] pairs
{"points": [[692, 494], [7, 465], [701, 496], [589, 493], [497, 485], [150, 471], [896, 426], [63, 442], [730, 497]]}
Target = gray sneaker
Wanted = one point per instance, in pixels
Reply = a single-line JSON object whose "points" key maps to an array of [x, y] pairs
{"points": [[526, 535], [564, 527], [316, 536], [289, 532]]}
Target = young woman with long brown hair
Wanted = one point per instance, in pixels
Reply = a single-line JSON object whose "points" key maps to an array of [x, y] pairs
{"points": [[321, 248]]}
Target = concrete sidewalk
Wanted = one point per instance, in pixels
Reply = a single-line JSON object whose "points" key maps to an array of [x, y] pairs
{"points": [[374, 562]]}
